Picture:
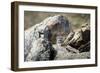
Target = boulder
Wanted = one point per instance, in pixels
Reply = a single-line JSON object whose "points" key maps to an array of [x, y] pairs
{"points": [[79, 39], [33, 46], [41, 51]]}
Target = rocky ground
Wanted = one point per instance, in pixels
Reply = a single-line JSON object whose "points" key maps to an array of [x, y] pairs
{"points": [[39, 45]]}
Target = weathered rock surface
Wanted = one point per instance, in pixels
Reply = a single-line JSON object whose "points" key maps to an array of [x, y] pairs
{"points": [[79, 39], [33, 46], [38, 44], [70, 56], [41, 51], [68, 52]]}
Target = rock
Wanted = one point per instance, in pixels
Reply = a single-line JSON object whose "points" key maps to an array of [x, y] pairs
{"points": [[33, 46], [76, 41], [69, 37], [71, 49], [61, 52], [85, 47], [70, 56], [79, 39], [41, 51], [68, 52]]}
